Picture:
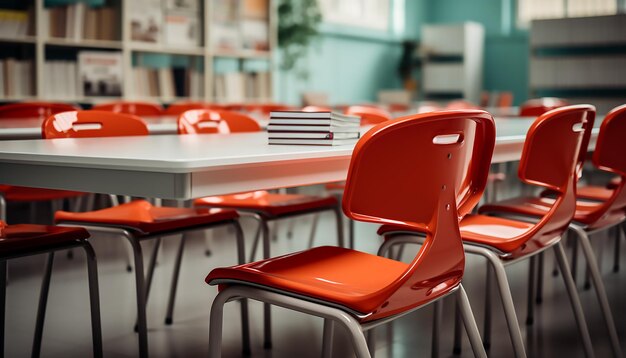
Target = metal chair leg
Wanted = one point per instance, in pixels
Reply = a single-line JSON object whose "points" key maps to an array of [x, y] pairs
{"points": [[339, 220], [257, 238], [351, 233], [3, 296], [616, 257], [470, 323], [540, 269], [267, 308], [437, 310], [169, 315], [327, 340], [574, 299], [151, 266], [41, 309], [488, 307], [94, 299], [457, 347], [574, 259], [208, 238], [532, 267], [142, 325], [370, 338], [316, 218], [598, 284]]}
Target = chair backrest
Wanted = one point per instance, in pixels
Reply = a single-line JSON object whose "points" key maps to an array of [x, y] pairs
{"points": [[203, 121], [85, 124], [552, 158], [504, 100], [176, 109], [425, 171], [369, 115], [136, 108], [610, 155], [34, 109], [538, 106]]}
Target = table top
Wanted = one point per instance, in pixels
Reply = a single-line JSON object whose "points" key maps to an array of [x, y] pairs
{"points": [[190, 166]]}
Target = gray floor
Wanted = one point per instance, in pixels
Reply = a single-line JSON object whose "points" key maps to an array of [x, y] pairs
{"points": [[67, 329]]}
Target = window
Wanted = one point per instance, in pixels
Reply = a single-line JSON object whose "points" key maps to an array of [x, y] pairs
{"points": [[528, 10], [373, 14]]}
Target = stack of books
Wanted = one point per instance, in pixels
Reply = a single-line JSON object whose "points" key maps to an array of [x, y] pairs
{"points": [[313, 128]]}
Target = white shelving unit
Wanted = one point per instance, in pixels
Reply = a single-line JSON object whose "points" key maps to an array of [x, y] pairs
{"points": [[205, 53], [453, 60], [580, 59]]}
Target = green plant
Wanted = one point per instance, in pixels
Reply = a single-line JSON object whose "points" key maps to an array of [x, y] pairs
{"points": [[297, 28]]}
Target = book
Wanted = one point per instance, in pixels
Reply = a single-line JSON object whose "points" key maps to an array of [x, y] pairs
{"points": [[146, 20], [331, 127], [298, 141], [100, 73], [314, 115], [182, 30], [312, 135], [225, 32]]}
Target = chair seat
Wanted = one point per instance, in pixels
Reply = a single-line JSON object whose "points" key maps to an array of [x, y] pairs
{"points": [[533, 206], [591, 192], [142, 216], [342, 276], [389, 228], [268, 204], [23, 237], [21, 193], [505, 235]]}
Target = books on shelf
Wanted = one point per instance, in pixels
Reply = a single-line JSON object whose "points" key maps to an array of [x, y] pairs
{"points": [[146, 20], [255, 24], [60, 80], [14, 23], [313, 128], [79, 21], [225, 25], [16, 78], [182, 26], [242, 86], [100, 73], [167, 83]]}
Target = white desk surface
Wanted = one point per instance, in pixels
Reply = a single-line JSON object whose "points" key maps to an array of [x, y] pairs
{"points": [[191, 166]]}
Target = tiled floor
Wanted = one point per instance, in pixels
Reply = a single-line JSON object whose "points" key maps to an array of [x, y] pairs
{"points": [[67, 329]]}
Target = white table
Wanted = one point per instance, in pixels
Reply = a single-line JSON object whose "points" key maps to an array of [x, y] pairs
{"points": [[191, 166]]}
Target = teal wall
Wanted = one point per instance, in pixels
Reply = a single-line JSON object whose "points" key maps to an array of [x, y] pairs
{"points": [[506, 48], [351, 66]]}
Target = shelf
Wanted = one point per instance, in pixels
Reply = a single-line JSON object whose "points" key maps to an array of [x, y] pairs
{"points": [[104, 44], [21, 39], [155, 48], [17, 99], [252, 54]]}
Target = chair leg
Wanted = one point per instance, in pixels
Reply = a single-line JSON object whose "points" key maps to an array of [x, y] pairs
{"points": [[437, 309], [41, 309], [208, 238], [339, 220], [316, 218], [457, 347], [169, 315], [574, 259], [540, 269], [531, 290], [505, 296], [94, 299], [151, 266], [142, 324], [351, 233], [3, 296], [327, 340], [616, 257], [370, 338], [598, 284], [488, 307], [574, 299], [290, 225], [257, 238], [267, 308], [470, 323]]}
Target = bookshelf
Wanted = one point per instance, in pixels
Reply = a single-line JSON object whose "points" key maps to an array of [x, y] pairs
{"points": [[581, 66], [41, 50], [452, 64]]}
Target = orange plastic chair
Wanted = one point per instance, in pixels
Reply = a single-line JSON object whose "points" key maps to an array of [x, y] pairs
{"points": [[360, 291], [136, 108], [506, 241], [175, 109], [505, 100], [262, 205], [369, 115], [34, 109], [14, 193], [590, 217], [27, 240], [538, 106], [139, 220]]}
